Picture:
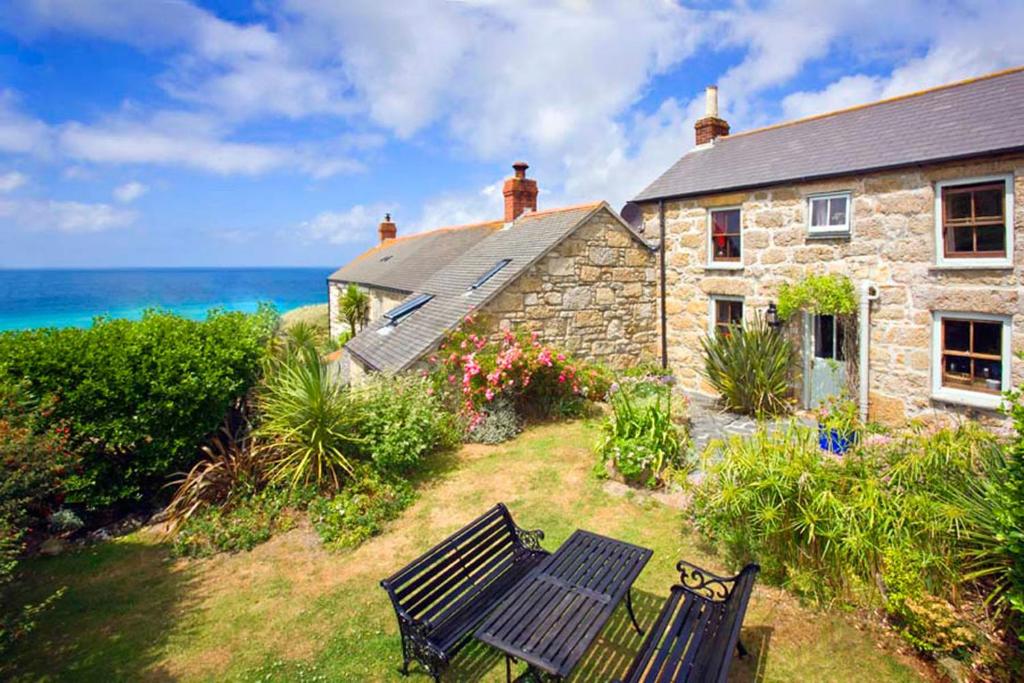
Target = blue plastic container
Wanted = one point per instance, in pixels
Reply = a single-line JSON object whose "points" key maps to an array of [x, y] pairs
{"points": [[832, 441]]}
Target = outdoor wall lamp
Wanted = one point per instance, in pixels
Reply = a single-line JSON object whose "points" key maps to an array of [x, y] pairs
{"points": [[771, 316]]}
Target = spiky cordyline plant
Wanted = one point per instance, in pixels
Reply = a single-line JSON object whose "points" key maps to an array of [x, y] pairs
{"points": [[309, 431], [749, 368], [229, 466]]}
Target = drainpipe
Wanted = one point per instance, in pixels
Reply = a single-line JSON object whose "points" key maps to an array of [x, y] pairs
{"points": [[868, 293], [664, 319]]}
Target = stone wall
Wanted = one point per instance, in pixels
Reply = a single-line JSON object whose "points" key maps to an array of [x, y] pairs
{"points": [[381, 301], [892, 243], [594, 295]]}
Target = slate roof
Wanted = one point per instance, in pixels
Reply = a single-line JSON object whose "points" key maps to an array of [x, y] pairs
{"points": [[404, 263], [971, 118], [529, 238]]}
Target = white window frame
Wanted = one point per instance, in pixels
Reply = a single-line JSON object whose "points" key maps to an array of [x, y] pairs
{"points": [[723, 265], [713, 299], [830, 229], [966, 263], [975, 399]]}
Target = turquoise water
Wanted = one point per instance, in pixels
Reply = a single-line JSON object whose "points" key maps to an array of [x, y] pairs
{"points": [[72, 298]]}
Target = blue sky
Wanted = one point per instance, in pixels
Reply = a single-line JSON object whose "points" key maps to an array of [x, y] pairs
{"points": [[252, 132]]}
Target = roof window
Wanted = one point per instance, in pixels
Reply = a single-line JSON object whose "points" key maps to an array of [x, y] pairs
{"points": [[400, 312], [494, 270]]}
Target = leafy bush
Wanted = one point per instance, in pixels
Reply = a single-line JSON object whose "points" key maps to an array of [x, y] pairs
{"points": [[34, 456], [138, 396], [402, 421], [641, 439], [500, 423], [831, 294], [876, 526], [749, 368], [15, 619], [310, 425], [242, 525], [473, 367], [360, 510]]}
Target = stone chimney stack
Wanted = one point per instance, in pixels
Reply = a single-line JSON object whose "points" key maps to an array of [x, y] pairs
{"points": [[520, 192], [387, 229], [710, 127]]}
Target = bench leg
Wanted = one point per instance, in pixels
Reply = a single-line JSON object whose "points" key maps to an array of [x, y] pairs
{"points": [[629, 608], [740, 649]]}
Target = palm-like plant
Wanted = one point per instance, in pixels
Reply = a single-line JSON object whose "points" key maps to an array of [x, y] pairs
{"points": [[310, 423], [354, 307], [749, 368]]}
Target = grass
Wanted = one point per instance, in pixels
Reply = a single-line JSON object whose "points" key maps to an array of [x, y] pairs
{"points": [[314, 314], [291, 611]]}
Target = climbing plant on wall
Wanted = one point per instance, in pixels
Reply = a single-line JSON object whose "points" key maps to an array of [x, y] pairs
{"points": [[831, 294]]}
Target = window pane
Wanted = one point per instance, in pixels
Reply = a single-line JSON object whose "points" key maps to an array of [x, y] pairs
{"points": [[988, 374], [958, 205], [962, 239], [819, 212], [837, 211], [824, 336], [957, 370], [988, 203], [735, 312], [734, 247], [988, 338], [840, 341], [991, 238], [957, 335]]}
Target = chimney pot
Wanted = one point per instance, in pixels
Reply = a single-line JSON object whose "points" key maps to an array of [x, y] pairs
{"points": [[520, 192], [387, 229], [711, 126]]}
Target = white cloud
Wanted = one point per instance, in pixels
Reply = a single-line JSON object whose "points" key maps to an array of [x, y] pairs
{"points": [[130, 191], [357, 224], [461, 208], [11, 181], [19, 133], [65, 216]]}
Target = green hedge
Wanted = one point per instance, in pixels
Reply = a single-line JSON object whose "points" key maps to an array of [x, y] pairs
{"points": [[138, 396]]}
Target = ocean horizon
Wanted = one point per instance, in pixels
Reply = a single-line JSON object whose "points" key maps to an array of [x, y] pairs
{"points": [[33, 298]]}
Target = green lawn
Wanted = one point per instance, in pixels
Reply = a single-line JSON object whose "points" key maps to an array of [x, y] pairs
{"points": [[291, 611]]}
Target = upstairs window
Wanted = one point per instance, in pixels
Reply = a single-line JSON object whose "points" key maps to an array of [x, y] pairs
{"points": [[726, 313], [726, 247], [495, 269], [828, 213], [975, 222], [972, 364], [402, 311]]}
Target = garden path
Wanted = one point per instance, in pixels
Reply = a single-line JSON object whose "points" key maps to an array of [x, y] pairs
{"points": [[709, 421]]}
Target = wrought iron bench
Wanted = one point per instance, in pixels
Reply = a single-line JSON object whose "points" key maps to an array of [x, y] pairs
{"points": [[697, 629], [442, 596]]}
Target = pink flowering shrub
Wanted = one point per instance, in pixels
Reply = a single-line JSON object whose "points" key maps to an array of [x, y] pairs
{"points": [[474, 367]]}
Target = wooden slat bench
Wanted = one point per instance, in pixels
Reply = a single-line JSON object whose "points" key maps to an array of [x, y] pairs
{"points": [[444, 594], [697, 630]]}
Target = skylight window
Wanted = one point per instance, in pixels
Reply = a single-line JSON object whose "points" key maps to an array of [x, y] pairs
{"points": [[398, 313], [495, 269], [384, 259]]}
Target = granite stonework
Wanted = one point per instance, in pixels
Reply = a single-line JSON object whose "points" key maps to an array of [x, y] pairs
{"points": [[594, 295], [892, 243], [381, 301]]}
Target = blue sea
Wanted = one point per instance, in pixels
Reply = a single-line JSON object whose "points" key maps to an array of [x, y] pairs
{"points": [[72, 298]]}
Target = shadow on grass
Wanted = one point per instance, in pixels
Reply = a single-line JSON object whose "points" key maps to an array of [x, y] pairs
{"points": [[612, 652], [123, 601]]}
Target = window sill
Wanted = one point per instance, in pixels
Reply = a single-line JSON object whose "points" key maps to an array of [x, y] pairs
{"points": [[971, 265], [973, 399], [828, 235], [724, 266]]}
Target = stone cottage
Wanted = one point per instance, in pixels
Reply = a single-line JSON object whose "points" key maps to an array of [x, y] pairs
{"points": [[913, 198], [579, 275]]}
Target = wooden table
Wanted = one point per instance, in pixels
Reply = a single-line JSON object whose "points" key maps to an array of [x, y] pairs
{"points": [[556, 611]]}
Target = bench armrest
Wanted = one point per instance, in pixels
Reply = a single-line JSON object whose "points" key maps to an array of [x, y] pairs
{"points": [[703, 583], [529, 538]]}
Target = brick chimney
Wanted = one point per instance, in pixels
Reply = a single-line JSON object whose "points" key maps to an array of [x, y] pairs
{"points": [[387, 229], [520, 192], [710, 127]]}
